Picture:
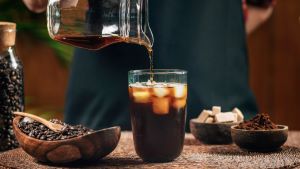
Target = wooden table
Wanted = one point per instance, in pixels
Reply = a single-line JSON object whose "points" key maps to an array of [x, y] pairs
{"points": [[194, 155]]}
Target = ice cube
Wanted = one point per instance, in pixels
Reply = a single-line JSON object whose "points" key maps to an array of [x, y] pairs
{"points": [[179, 103], [160, 91], [161, 106], [160, 85], [141, 96], [150, 83], [180, 91], [138, 84]]}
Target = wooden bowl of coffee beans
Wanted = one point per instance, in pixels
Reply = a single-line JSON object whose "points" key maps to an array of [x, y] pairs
{"points": [[74, 143]]}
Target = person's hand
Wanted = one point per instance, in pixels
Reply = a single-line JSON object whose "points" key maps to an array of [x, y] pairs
{"points": [[68, 3], [257, 16], [37, 6]]}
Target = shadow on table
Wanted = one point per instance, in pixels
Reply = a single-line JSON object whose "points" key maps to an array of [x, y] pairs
{"points": [[107, 162], [234, 150], [191, 142]]}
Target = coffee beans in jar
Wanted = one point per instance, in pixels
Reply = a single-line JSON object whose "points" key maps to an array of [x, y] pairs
{"points": [[11, 85]]}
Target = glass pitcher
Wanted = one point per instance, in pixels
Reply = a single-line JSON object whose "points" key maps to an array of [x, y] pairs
{"points": [[94, 24]]}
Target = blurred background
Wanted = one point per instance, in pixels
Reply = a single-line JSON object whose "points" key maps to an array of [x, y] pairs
{"points": [[274, 53], [45, 61], [274, 56]]}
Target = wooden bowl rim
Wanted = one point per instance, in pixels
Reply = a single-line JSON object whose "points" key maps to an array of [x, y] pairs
{"points": [[195, 121], [17, 119], [280, 128]]}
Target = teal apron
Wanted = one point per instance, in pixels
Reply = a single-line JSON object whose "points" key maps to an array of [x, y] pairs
{"points": [[204, 37]]}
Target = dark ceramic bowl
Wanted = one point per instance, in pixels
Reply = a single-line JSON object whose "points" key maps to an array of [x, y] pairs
{"points": [[211, 133], [260, 140]]}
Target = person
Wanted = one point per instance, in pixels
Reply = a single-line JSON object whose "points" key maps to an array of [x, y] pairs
{"points": [[207, 38]]}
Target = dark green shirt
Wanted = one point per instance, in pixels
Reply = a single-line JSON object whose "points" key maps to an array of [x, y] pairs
{"points": [[204, 37]]}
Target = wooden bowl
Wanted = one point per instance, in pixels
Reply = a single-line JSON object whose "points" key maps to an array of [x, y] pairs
{"points": [[89, 147], [260, 140], [211, 133]]}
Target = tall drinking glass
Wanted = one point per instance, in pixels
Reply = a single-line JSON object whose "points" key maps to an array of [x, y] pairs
{"points": [[158, 113]]}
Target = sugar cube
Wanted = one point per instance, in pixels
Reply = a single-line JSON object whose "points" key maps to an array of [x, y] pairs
{"points": [[209, 120], [204, 115], [226, 117], [216, 110], [238, 112]]}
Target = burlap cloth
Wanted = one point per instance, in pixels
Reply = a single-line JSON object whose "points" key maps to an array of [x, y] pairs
{"points": [[195, 155]]}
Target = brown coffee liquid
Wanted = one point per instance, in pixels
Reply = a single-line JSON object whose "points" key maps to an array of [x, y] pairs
{"points": [[150, 53], [99, 42], [89, 42], [158, 123]]}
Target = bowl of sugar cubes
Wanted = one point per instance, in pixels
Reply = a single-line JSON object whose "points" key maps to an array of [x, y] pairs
{"points": [[214, 126]]}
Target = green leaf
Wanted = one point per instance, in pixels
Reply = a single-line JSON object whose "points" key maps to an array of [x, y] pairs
{"points": [[35, 25]]}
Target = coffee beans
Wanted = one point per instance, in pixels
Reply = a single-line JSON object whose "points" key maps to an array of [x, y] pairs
{"points": [[259, 122], [11, 98], [39, 131]]}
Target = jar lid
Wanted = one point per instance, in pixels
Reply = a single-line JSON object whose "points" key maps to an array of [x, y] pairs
{"points": [[7, 34]]}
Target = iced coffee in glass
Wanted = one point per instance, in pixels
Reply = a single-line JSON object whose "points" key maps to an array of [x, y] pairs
{"points": [[158, 113]]}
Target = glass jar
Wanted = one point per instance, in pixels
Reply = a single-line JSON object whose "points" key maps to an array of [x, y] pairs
{"points": [[11, 85]]}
